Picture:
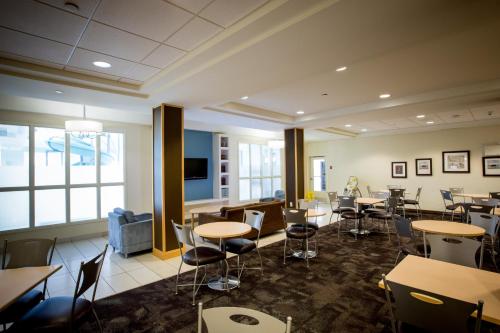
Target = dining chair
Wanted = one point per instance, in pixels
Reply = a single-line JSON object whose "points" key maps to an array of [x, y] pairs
{"points": [[224, 320], [449, 204], [415, 202], [369, 191], [26, 253], [194, 255], [455, 250], [390, 187], [491, 224], [299, 230], [241, 246], [313, 204], [377, 208], [388, 214], [399, 193], [349, 211], [334, 205], [407, 242], [429, 311], [495, 195], [66, 312]]}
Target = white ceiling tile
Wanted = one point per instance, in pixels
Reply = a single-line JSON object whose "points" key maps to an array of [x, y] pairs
{"points": [[83, 59], [193, 34], [102, 38], [85, 7], [486, 112], [227, 12], [401, 123], [374, 126], [92, 73], [41, 20], [33, 47], [141, 72], [155, 19], [30, 60], [456, 116], [163, 56], [193, 6]]}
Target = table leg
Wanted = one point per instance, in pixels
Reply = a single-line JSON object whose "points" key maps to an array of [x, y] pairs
{"points": [[219, 282], [482, 252], [425, 244]]}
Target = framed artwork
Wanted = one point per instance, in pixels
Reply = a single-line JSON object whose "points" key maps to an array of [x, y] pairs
{"points": [[423, 166], [398, 169], [491, 166], [456, 161]]}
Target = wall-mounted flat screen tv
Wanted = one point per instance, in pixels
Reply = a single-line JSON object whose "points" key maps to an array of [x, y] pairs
{"points": [[195, 168]]}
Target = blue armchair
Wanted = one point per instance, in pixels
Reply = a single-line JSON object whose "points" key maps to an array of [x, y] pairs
{"points": [[129, 233]]}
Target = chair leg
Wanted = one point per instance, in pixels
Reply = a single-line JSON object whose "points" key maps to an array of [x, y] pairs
{"points": [[227, 274], [177, 279], [284, 252], [194, 284], [330, 221], [260, 260], [493, 258], [388, 231], [453, 215], [397, 258], [307, 252], [97, 319], [338, 229]]}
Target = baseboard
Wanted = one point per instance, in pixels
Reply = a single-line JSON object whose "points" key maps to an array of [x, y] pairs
{"points": [[166, 254]]}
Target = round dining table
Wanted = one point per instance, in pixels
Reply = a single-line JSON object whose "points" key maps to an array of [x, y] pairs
{"points": [[223, 230], [447, 228]]}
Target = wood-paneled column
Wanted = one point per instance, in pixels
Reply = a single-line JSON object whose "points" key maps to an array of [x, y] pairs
{"points": [[294, 166], [168, 177]]}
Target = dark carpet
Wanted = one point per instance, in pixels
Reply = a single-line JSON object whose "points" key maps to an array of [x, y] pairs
{"points": [[338, 293]]}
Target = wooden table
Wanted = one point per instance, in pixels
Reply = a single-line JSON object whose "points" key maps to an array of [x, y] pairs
{"points": [[16, 282], [447, 228], [450, 280], [315, 213], [204, 209], [222, 230]]}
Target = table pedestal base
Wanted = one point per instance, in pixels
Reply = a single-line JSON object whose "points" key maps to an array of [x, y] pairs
{"points": [[302, 254], [219, 283], [359, 231]]}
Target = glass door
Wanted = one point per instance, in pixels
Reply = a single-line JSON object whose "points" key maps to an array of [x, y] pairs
{"points": [[317, 174]]}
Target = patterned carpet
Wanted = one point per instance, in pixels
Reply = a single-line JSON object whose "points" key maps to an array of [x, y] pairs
{"points": [[338, 293]]}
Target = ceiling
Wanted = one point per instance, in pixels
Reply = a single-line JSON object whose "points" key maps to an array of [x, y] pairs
{"points": [[435, 58]]}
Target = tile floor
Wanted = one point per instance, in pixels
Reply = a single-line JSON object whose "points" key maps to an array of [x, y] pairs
{"points": [[119, 273]]}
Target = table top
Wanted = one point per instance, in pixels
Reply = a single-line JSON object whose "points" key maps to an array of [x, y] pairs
{"points": [[368, 201], [448, 228], [206, 209], [315, 213], [450, 280], [15, 282], [471, 195], [226, 229]]}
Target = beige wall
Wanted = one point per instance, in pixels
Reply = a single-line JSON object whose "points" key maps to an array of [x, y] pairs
{"points": [[369, 158], [138, 176]]}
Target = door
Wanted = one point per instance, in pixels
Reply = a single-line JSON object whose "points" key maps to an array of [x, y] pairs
{"points": [[317, 174]]}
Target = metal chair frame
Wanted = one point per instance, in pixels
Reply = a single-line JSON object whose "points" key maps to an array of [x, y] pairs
{"points": [[490, 223], [334, 200], [417, 204], [346, 204], [296, 216], [447, 196]]}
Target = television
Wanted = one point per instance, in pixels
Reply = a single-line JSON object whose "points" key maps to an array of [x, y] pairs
{"points": [[195, 168]]}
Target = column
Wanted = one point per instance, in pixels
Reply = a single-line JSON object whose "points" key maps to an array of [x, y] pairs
{"points": [[294, 166], [168, 178]]}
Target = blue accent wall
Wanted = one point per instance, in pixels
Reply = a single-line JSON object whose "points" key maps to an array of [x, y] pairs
{"points": [[198, 144]]}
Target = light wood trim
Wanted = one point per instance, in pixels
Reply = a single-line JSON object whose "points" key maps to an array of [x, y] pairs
{"points": [[166, 254], [447, 228], [223, 229]]}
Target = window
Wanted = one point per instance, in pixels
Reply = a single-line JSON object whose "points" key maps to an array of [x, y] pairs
{"points": [[49, 177], [259, 171], [318, 174]]}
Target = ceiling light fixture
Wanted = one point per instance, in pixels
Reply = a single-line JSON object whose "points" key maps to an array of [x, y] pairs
{"points": [[341, 69], [83, 129], [244, 98], [364, 130], [421, 116], [348, 125], [300, 112], [324, 94], [59, 92], [430, 122], [383, 96], [102, 64]]}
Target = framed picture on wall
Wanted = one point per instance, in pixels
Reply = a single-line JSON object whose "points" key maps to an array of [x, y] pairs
{"points": [[491, 166], [456, 161], [423, 166], [398, 169]]}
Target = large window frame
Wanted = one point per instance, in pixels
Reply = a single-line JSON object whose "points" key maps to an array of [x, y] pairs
{"points": [[260, 178], [67, 186]]}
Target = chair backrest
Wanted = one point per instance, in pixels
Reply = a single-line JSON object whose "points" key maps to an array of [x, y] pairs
{"points": [[397, 193], [184, 235], [28, 253], [457, 190], [447, 196], [298, 216], [435, 313], [392, 204], [455, 250], [489, 222], [369, 190], [88, 275], [304, 204], [403, 227], [478, 208], [333, 198], [380, 194], [242, 320], [346, 201], [254, 218], [419, 191], [279, 194], [495, 195]]}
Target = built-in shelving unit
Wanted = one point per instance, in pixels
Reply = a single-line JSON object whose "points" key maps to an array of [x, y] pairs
{"points": [[221, 166]]}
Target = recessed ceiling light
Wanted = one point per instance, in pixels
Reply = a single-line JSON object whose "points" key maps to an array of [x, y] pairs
{"points": [[244, 97], [430, 122], [348, 125], [59, 92], [364, 130], [421, 116], [324, 94], [300, 112], [71, 5], [102, 64], [341, 69], [384, 96]]}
